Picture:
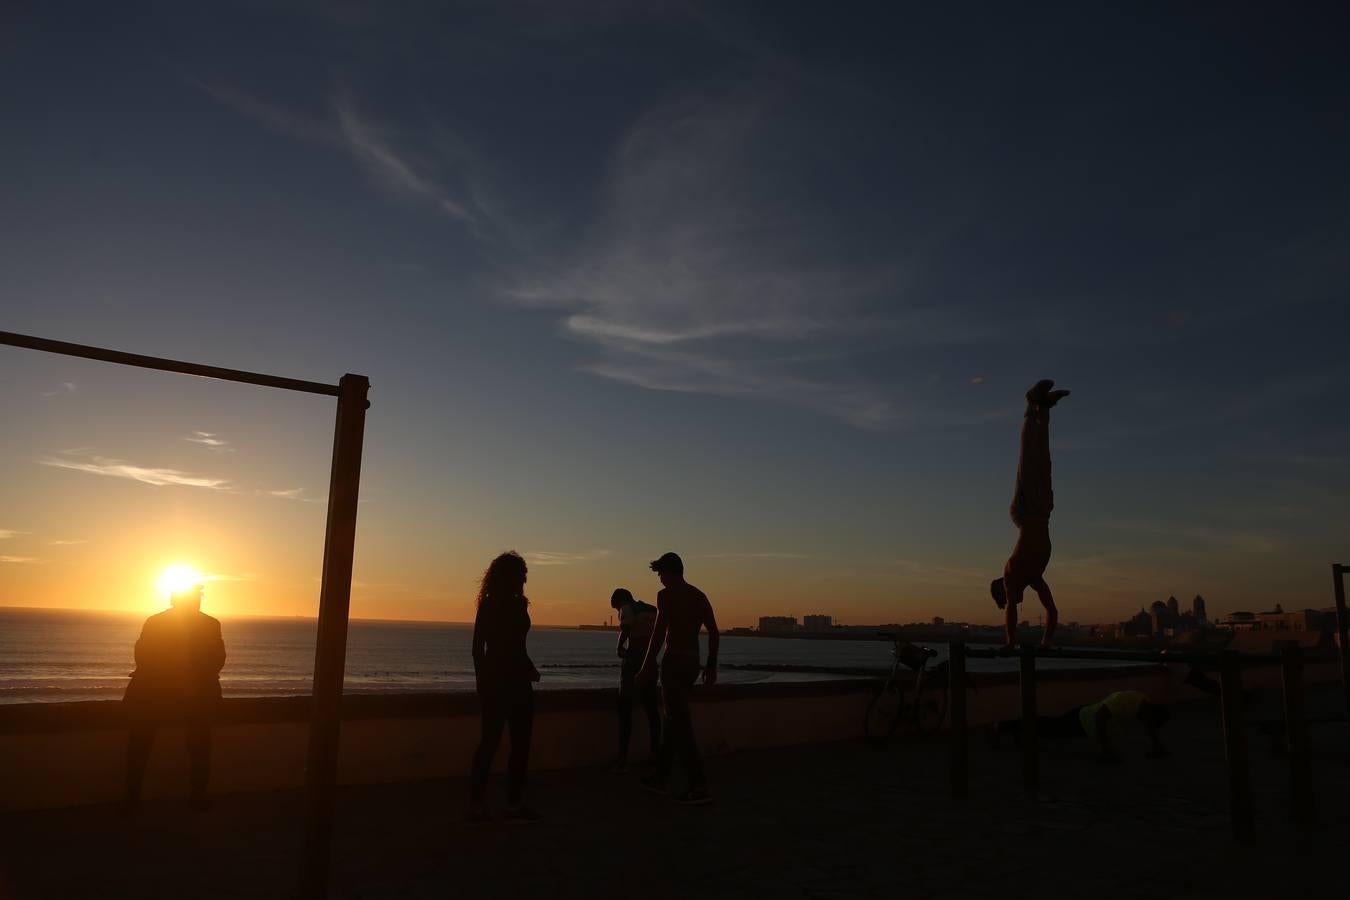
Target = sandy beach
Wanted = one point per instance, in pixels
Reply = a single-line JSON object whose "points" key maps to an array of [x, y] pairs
{"points": [[826, 820]]}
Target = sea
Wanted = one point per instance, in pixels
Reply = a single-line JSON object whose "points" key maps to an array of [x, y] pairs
{"points": [[56, 655]]}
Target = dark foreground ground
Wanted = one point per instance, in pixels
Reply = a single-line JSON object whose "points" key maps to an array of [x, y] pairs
{"points": [[837, 820]]}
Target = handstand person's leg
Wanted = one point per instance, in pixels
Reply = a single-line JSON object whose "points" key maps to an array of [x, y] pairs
{"points": [[1033, 497]]}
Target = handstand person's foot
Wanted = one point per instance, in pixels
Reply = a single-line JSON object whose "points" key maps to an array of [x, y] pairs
{"points": [[1042, 395]]}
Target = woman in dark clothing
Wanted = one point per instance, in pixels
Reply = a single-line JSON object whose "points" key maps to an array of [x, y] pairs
{"points": [[504, 674]]}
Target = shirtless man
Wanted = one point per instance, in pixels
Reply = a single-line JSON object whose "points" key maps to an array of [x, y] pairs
{"points": [[1032, 502], [682, 611]]}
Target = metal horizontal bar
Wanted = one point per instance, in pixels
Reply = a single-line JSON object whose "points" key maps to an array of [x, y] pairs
{"points": [[166, 365]]}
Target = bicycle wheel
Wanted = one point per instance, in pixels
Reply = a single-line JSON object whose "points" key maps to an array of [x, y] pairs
{"points": [[930, 702], [883, 712]]}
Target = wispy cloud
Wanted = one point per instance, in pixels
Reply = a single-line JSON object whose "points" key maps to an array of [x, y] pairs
{"points": [[18, 559], [67, 543], [159, 477], [210, 439], [370, 143], [220, 576], [550, 558], [1225, 538], [762, 555], [7, 533], [297, 494], [315, 129], [372, 148], [709, 260], [67, 387]]}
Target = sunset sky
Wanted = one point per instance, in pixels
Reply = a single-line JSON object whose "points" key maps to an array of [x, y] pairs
{"points": [[759, 283]]}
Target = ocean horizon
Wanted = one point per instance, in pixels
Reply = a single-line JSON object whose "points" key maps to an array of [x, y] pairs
{"points": [[62, 655]]}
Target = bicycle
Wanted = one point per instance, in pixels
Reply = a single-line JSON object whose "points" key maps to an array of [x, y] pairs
{"points": [[888, 706]]}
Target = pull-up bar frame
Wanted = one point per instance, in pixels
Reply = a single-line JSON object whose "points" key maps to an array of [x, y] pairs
{"points": [[1230, 665], [330, 651]]}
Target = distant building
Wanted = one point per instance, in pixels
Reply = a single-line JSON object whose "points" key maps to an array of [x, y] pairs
{"points": [[1173, 607], [817, 623], [938, 620], [1300, 620], [777, 624], [1198, 610], [1240, 620]]}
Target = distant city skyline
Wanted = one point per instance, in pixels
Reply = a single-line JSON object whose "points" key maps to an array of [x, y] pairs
{"points": [[761, 284]]}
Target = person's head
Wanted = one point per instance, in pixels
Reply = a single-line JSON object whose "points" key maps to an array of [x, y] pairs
{"points": [[1153, 715], [998, 592], [621, 598], [669, 568], [188, 599], [505, 577]]}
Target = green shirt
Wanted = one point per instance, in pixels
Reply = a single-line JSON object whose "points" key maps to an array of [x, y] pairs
{"points": [[1123, 707]]}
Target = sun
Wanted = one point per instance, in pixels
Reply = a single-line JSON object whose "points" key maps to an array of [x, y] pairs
{"points": [[179, 577]]}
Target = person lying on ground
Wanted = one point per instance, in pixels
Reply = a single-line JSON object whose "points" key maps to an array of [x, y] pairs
{"points": [[1105, 722]]}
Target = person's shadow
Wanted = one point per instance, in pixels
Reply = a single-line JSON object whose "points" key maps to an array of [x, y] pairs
{"points": [[176, 683]]}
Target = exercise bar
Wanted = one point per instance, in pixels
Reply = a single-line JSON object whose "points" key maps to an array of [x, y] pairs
{"points": [[166, 365]]}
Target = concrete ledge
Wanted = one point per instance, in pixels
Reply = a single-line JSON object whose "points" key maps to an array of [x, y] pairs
{"points": [[54, 755]]}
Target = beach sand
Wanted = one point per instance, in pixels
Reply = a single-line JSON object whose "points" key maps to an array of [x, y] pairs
{"points": [[827, 820]]}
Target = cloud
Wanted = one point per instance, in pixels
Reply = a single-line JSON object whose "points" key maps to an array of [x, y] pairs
{"points": [[763, 555], [210, 439], [67, 387], [548, 558], [67, 543], [977, 379], [288, 122], [218, 576], [6, 534], [290, 494], [367, 141], [159, 477], [1225, 538], [712, 256], [18, 559], [369, 145]]}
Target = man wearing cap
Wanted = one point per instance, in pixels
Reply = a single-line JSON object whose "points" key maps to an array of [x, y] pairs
{"points": [[682, 610]]}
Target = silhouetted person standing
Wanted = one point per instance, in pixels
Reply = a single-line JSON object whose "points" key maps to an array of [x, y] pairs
{"points": [[176, 683], [636, 622], [682, 610], [1033, 500], [504, 677]]}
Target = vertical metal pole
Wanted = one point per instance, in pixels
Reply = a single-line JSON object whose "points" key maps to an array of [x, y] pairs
{"points": [[330, 652], [1342, 628], [1235, 747], [1031, 754], [956, 699], [1296, 733]]}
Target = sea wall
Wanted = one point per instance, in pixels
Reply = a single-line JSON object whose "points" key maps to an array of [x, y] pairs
{"points": [[70, 754]]}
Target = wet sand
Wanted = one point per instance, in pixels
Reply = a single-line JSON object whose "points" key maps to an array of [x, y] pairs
{"points": [[827, 820]]}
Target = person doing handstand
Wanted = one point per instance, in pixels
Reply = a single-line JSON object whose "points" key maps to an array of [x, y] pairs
{"points": [[1032, 502]]}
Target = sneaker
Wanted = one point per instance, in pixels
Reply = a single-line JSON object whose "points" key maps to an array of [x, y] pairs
{"points": [[695, 796], [521, 815], [655, 784]]}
